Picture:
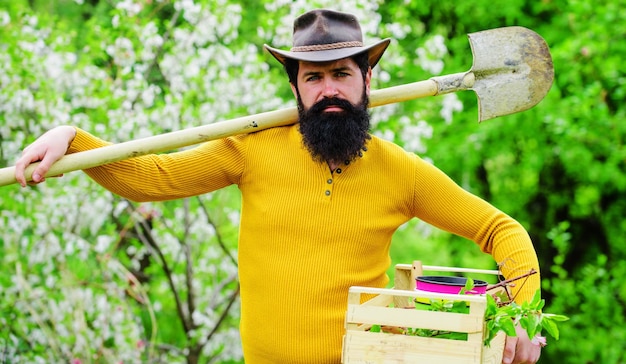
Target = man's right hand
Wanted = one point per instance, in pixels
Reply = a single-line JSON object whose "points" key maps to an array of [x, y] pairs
{"points": [[47, 149]]}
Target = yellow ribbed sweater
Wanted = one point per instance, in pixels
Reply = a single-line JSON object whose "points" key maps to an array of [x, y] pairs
{"points": [[307, 234]]}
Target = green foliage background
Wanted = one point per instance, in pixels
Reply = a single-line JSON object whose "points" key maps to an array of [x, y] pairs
{"points": [[88, 277]]}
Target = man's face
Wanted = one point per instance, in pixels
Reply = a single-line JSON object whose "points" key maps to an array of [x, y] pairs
{"points": [[332, 102], [341, 79]]}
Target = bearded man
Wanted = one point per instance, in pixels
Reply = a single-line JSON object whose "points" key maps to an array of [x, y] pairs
{"points": [[321, 199]]}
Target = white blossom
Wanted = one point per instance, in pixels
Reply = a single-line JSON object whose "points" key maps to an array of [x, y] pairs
{"points": [[122, 52], [413, 135], [450, 104], [5, 18], [430, 56], [132, 8]]}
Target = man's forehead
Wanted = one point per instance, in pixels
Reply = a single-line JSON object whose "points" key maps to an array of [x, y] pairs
{"points": [[337, 64]]}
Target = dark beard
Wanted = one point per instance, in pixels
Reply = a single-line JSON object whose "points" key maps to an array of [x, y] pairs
{"points": [[335, 136]]}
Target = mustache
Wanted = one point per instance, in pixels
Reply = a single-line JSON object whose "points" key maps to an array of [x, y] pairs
{"points": [[321, 105]]}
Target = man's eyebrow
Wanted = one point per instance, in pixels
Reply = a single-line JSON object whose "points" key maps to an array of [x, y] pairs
{"points": [[311, 73], [342, 69], [333, 70]]}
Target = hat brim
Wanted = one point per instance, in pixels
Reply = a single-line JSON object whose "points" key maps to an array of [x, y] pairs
{"points": [[375, 51]]}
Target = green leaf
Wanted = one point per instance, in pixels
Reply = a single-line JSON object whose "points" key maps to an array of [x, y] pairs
{"points": [[554, 317], [507, 325], [436, 305], [460, 306], [509, 310], [535, 302], [492, 306], [469, 285], [533, 324], [551, 327], [541, 305]]}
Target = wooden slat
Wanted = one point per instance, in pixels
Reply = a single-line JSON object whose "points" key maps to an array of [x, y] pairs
{"points": [[380, 300], [367, 347], [413, 294], [493, 353], [446, 321], [437, 268]]}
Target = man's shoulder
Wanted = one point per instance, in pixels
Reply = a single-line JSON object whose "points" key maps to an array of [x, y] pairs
{"points": [[380, 144], [274, 138], [275, 131]]}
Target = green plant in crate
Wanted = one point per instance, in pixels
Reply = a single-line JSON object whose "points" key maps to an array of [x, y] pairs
{"points": [[501, 314], [441, 305]]}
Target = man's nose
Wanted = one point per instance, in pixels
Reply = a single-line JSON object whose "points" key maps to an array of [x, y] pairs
{"points": [[330, 88]]}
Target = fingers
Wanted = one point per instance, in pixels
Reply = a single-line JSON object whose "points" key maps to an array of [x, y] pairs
{"points": [[19, 173], [520, 349], [46, 150], [509, 349], [43, 167], [24, 161]]}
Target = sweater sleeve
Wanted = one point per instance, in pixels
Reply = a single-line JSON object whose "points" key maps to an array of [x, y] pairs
{"points": [[158, 177], [443, 203]]}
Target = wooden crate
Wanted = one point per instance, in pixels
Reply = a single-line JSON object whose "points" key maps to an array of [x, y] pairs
{"points": [[388, 308]]}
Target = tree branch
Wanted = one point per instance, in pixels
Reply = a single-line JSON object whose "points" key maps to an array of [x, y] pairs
{"points": [[148, 240], [218, 236]]}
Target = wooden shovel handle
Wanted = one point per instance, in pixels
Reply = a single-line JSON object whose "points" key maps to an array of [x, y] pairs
{"points": [[182, 138]]}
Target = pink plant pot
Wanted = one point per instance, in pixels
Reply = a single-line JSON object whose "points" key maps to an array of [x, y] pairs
{"points": [[449, 285]]}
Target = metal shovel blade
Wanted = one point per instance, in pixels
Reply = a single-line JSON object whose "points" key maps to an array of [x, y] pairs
{"points": [[513, 70]]}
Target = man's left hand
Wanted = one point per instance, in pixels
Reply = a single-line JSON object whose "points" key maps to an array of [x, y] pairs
{"points": [[521, 349]]}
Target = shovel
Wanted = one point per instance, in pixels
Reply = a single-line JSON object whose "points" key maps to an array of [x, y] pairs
{"points": [[512, 71]]}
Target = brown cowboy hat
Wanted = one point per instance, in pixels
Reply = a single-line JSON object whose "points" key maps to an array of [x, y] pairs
{"points": [[325, 35]]}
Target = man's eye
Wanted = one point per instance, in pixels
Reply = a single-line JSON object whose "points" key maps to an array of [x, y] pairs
{"points": [[312, 78]]}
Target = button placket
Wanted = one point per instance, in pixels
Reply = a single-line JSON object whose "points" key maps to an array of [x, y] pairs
{"points": [[329, 187]]}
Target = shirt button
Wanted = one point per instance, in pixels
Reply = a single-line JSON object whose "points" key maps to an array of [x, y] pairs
{"points": [[330, 181], [327, 193], [338, 170]]}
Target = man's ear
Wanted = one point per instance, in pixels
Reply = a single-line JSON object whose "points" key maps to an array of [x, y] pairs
{"points": [[294, 89], [368, 78]]}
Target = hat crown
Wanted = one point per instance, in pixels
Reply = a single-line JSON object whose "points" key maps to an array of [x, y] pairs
{"points": [[324, 27], [324, 35]]}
